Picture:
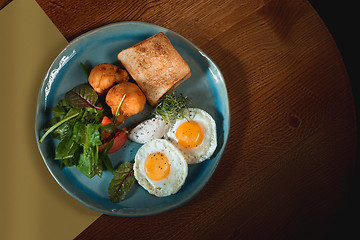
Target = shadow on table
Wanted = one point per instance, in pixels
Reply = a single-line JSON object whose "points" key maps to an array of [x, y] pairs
{"points": [[236, 82]]}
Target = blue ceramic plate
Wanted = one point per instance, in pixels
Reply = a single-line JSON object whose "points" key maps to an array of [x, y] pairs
{"points": [[205, 87]]}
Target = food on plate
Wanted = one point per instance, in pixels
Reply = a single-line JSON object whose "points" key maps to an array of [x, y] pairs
{"points": [[108, 127], [150, 129], [160, 168], [194, 136], [78, 132], [132, 104], [172, 106], [105, 75], [176, 136], [82, 96], [116, 142], [122, 182], [155, 65]]}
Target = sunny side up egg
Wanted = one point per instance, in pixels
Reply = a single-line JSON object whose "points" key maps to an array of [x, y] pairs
{"points": [[160, 167], [195, 136]]}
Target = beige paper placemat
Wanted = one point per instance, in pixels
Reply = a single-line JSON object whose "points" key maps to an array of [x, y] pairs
{"points": [[33, 205]]}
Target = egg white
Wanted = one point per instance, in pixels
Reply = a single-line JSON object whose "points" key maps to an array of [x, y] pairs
{"points": [[178, 168], [153, 128], [207, 147]]}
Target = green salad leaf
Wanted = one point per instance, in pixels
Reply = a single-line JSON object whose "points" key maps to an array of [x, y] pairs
{"points": [[61, 127], [82, 96], [122, 182], [77, 125], [89, 163], [105, 157], [86, 69], [78, 130]]}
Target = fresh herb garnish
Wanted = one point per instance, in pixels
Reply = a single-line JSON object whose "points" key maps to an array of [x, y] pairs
{"points": [[173, 106], [122, 182], [117, 113]]}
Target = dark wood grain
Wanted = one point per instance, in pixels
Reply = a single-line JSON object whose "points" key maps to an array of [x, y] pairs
{"points": [[287, 168], [3, 3]]}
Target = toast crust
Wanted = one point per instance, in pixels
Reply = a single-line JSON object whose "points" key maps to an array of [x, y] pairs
{"points": [[155, 65]]}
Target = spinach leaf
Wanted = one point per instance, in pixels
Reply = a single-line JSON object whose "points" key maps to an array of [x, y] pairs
{"points": [[122, 182], [105, 158], [82, 96], [68, 162], [66, 148], [87, 161], [107, 162], [98, 166], [88, 136]]}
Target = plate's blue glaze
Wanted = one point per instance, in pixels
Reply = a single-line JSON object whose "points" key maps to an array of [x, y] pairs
{"points": [[206, 88]]}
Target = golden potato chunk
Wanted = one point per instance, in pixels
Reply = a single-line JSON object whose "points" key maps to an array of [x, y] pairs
{"points": [[103, 76], [133, 103]]}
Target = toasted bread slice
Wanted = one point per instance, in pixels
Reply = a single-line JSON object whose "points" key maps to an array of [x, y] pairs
{"points": [[155, 65]]}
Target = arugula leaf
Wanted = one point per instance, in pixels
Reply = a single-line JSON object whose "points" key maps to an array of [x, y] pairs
{"points": [[122, 182], [82, 96]]}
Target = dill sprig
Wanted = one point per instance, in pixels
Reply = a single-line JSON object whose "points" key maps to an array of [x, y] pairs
{"points": [[173, 106]]}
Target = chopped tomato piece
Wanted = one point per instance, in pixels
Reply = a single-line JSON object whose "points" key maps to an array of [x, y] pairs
{"points": [[119, 141], [105, 121]]}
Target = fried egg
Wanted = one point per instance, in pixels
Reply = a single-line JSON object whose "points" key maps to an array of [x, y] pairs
{"points": [[160, 167], [195, 135]]}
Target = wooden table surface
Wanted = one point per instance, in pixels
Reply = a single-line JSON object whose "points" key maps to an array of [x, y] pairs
{"points": [[287, 168], [3, 3]]}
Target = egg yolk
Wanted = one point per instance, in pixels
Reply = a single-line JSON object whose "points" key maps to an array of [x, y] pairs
{"points": [[189, 134], [157, 166]]}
